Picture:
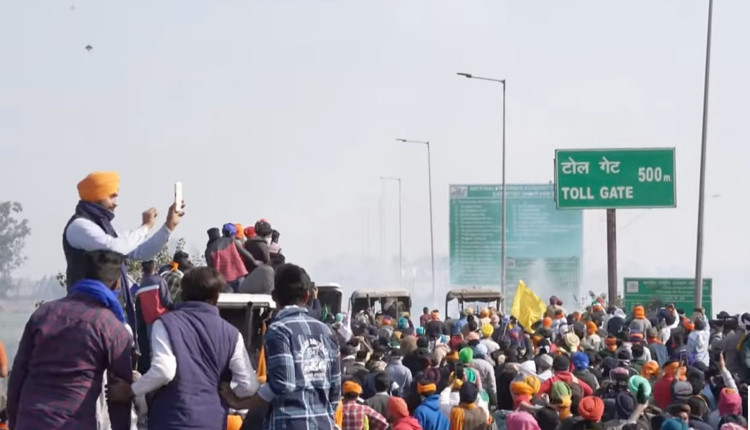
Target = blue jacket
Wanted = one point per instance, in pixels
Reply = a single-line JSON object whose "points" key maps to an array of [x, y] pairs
{"points": [[429, 415]]}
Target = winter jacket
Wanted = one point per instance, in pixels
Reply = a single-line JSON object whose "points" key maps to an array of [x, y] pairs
{"points": [[429, 415], [568, 378], [698, 345], [450, 398], [640, 325], [658, 353]]}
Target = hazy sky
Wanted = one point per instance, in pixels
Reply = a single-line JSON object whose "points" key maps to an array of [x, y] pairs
{"points": [[288, 110]]}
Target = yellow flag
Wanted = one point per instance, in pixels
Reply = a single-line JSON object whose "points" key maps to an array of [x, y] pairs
{"points": [[527, 307]]}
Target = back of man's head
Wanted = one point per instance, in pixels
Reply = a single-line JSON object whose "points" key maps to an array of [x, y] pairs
{"points": [[426, 310], [202, 284], [104, 266], [148, 267], [291, 285], [362, 355], [382, 382], [561, 363]]}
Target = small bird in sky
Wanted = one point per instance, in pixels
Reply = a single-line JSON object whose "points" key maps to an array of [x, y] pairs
{"points": [[89, 48]]}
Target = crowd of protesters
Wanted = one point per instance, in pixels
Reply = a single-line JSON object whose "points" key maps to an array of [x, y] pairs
{"points": [[159, 356]]}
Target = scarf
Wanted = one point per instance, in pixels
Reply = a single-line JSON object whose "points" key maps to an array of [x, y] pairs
{"points": [[102, 294], [98, 215], [458, 415]]}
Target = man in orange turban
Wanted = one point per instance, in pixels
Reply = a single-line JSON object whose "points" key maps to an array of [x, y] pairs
{"points": [[90, 229]]}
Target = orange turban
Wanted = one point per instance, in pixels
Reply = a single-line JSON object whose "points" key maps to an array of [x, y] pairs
{"points": [[547, 322], [485, 313], [650, 368], [591, 328], [351, 387], [98, 186], [427, 388], [240, 232], [639, 312], [521, 388], [591, 409], [533, 382]]}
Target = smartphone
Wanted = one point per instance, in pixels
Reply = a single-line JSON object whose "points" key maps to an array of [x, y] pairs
{"points": [[178, 196]]}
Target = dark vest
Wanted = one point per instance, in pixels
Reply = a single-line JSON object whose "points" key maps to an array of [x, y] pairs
{"points": [[73, 256], [75, 259], [203, 344]]}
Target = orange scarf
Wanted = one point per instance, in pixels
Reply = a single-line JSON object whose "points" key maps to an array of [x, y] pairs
{"points": [[262, 370]]}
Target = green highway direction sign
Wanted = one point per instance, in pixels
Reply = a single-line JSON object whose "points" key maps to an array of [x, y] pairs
{"points": [[615, 178], [654, 293]]}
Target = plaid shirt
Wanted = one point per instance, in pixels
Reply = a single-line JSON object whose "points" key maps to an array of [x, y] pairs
{"points": [[354, 417], [57, 375], [304, 373]]}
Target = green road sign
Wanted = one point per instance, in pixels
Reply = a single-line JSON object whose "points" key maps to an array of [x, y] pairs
{"points": [[544, 245], [653, 293], [615, 178]]}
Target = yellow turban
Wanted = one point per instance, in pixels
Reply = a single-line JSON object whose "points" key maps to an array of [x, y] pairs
{"points": [[351, 387], [234, 422], [487, 330], [98, 186], [427, 388], [521, 388], [533, 382]]}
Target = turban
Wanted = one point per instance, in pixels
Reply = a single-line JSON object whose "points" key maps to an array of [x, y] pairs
{"points": [[249, 232], [240, 234], [487, 330], [559, 392], [466, 355], [420, 331], [547, 322], [730, 402], [650, 368], [229, 230], [591, 328], [339, 317], [591, 409], [625, 404], [403, 323], [469, 311], [98, 186], [521, 388], [636, 337], [485, 313], [481, 351], [640, 387], [426, 388], [581, 361], [639, 312], [452, 356], [351, 387], [674, 424]]}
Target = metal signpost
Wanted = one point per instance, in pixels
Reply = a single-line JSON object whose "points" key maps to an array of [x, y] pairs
{"points": [[654, 293], [544, 246], [614, 178]]}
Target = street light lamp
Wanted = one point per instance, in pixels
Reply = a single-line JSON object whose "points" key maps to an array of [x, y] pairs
{"points": [[400, 232], [429, 181], [503, 266]]}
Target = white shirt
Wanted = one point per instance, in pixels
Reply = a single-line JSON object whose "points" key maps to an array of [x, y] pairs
{"points": [[136, 244], [164, 366]]}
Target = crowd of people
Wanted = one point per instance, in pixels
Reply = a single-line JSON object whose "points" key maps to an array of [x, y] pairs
{"points": [[159, 355]]}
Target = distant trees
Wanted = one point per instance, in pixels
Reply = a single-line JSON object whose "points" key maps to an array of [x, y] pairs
{"points": [[164, 257], [14, 231]]}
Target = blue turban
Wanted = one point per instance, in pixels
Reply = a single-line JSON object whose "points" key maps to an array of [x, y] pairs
{"points": [[229, 230], [581, 361]]}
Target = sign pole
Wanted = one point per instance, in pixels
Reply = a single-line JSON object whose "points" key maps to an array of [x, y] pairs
{"points": [[698, 294], [612, 257]]}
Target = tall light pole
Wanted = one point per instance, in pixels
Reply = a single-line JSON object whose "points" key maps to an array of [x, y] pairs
{"points": [[429, 181], [400, 233], [503, 264], [698, 295]]}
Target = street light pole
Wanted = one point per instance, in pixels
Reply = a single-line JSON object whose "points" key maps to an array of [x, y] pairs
{"points": [[503, 263], [400, 233], [429, 181], [698, 294]]}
